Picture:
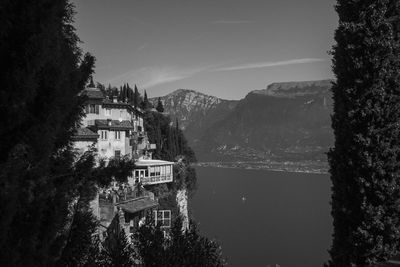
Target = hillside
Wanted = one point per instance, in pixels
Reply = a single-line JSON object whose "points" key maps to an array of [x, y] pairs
{"points": [[284, 122], [195, 111], [281, 122]]}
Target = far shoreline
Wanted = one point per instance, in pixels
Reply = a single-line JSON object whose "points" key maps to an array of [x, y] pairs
{"points": [[283, 167]]}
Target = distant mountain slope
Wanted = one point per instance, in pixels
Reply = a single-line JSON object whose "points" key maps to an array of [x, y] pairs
{"points": [[287, 120], [295, 89], [195, 111]]}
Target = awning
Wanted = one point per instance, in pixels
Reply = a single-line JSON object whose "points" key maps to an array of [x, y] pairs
{"points": [[137, 204]]}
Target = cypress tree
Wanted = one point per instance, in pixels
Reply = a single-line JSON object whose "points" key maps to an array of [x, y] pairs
{"points": [[44, 71], [109, 91], [365, 161], [45, 187], [124, 93], [91, 83], [129, 94], [160, 107], [120, 94], [136, 97], [145, 103]]}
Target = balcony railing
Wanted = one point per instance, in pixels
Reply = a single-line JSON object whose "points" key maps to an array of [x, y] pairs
{"points": [[156, 179], [120, 196]]}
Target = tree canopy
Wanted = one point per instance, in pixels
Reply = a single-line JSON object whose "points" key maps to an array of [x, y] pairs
{"points": [[180, 248], [160, 106], [364, 163], [45, 187]]}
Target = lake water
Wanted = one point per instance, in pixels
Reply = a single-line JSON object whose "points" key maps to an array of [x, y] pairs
{"points": [[264, 218]]}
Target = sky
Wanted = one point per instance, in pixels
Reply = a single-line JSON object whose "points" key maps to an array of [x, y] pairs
{"points": [[224, 48]]}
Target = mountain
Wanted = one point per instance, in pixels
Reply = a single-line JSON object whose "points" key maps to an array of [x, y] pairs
{"points": [[286, 121], [195, 111]]}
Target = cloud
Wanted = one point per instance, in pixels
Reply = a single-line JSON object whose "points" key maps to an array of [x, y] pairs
{"points": [[143, 46], [157, 75], [268, 64], [148, 77], [232, 21]]}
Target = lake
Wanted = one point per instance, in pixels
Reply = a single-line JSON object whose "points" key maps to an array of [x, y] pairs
{"points": [[265, 218]]}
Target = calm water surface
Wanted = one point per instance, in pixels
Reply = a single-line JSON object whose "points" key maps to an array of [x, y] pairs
{"points": [[264, 218]]}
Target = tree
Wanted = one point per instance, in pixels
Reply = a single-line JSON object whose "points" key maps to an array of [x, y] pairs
{"points": [[160, 107], [118, 252], [136, 97], [91, 83], [364, 163], [77, 251], [184, 249], [45, 187], [170, 141], [145, 104]]}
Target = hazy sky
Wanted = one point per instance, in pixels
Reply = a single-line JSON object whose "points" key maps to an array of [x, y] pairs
{"points": [[224, 48]]}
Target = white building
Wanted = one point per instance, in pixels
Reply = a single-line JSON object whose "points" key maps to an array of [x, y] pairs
{"points": [[153, 171], [116, 130]]}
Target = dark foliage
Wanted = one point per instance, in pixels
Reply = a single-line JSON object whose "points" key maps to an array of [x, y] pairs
{"points": [[44, 188], [80, 242], [136, 97], [118, 252], [186, 248], [365, 161], [145, 104], [160, 107], [170, 141]]}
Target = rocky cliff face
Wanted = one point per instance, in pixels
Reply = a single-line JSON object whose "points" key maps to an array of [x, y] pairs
{"points": [[288, 121], [195, 111], [295, 89]]}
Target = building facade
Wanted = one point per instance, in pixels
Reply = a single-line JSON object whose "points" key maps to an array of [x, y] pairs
{"points": [[115, 129]]}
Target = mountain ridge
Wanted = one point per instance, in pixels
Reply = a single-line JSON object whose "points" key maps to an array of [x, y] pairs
{"points": [[286, 120]]}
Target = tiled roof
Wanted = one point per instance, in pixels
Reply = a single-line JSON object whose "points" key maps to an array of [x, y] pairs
{"points": [[93, 93], [138, 204], [114, 124], [110, 103], [85, 133]]}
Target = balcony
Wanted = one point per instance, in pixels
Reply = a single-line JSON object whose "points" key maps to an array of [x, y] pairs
{"points": [[156, 179], [153, 171]]}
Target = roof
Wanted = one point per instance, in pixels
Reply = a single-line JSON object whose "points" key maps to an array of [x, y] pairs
{"points": [[137, 204], [93, 93], [110, 103], [85, 134], [114, 124], [150, 162]]}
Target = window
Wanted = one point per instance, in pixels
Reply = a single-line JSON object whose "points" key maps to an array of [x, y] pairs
{"points": [[157, 171], [103, 135], [108, 112], [163, 217], [152, 171], [117, 154], [168, 169], [93, 109], [117, 135]]}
